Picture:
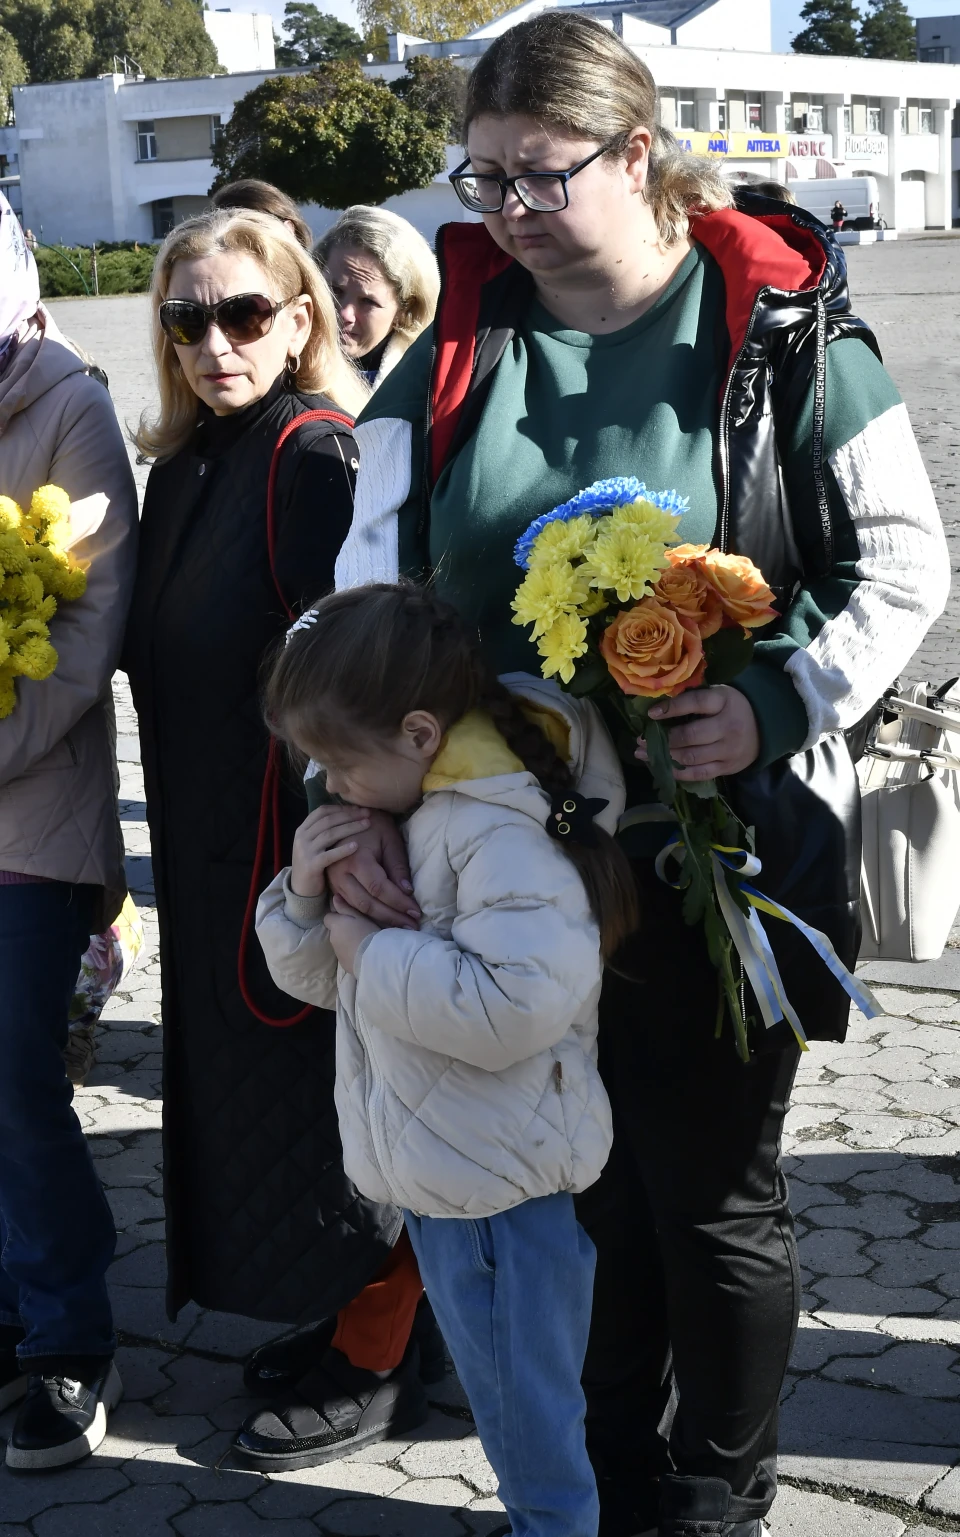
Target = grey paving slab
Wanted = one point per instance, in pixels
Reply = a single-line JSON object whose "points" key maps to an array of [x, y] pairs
{"points": [[798, 1513]]}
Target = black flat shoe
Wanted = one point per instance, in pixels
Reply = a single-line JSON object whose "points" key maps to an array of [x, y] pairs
{"points": [[334, 1410], [61, 1421], [279, 1365]]}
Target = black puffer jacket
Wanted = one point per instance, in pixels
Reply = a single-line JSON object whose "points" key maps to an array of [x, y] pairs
{"points": [[261, 1219]]}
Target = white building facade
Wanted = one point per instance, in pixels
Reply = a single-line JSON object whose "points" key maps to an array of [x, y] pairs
{"points": [[125, 159]]}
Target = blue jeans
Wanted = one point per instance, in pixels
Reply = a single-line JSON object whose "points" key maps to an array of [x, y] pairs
{"points": [[512, 1295], [56, 1231]]}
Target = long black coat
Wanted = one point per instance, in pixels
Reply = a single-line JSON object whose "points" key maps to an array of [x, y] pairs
{"points": [[261, 1219]]}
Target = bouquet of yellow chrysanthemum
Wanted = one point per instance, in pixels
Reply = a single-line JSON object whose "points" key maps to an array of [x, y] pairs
{"points": [[36, 572], [620, 611]]}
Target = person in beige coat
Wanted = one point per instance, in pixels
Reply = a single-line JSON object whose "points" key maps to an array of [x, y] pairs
{"points": [[61, 879]]}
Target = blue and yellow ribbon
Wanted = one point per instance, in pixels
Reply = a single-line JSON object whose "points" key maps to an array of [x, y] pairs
{"points": [[752, 943]]}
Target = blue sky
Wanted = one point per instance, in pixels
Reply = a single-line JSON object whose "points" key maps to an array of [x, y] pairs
{"points": [[786, 13]]}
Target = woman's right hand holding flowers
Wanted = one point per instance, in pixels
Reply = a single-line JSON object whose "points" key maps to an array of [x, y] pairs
{"points": [[328, 835]]}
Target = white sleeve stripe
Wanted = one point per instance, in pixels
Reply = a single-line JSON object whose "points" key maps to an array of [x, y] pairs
{"points": [[370, 552], [904, 570]]}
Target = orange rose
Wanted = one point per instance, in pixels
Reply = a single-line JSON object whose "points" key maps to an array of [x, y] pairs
{"points": [[745, 596], [684, 587], [653, 650]]}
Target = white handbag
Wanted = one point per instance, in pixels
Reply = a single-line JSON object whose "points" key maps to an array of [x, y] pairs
{"points": [[910, 793]]}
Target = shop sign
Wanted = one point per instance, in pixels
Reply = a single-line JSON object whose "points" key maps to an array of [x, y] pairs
{"points": [[734, 146], [811, 146], [866, 146]]}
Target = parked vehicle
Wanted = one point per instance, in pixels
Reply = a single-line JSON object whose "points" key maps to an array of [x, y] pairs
{"points": [[859, 195]]}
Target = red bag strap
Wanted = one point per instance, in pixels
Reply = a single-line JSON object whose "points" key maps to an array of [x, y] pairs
{"points": [[270, 794]]}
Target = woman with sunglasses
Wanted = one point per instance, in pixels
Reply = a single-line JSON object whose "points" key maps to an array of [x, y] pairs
{"points": [[261, 1219], [615, 315]]}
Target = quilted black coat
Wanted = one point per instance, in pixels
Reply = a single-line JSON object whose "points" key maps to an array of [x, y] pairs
{"points": [[261, 1219]]}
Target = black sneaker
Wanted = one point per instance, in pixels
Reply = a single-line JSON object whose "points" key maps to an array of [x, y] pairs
{"points": [[13, 1384], [61, 1421], [278, 1366], [334, 1411]]}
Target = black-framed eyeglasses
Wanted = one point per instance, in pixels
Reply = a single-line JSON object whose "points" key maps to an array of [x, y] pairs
{"points": [[241, 318], [540, 191]]}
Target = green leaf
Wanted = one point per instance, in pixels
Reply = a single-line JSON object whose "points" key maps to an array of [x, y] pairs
{"points": [[703, 789], [637, 711], [727, 653], [660, 761]]}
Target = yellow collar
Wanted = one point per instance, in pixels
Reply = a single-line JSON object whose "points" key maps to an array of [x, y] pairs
{"points": [[474, 749]]}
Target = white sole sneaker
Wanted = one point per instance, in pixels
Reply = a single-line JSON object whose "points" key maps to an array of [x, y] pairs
{"points": [[12, 1392], [81, 1446]]}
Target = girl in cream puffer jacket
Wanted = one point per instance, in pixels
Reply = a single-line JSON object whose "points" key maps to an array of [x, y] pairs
{"points": [[466, 1076]]}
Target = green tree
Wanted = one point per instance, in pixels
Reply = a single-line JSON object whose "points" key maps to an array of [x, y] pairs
{"points": [[433, 19], [53, 36], [330, 136], [831, 28], [13, 72], [313, 37], [73, 39], [166, 37], [888, 31], [437, 88]]}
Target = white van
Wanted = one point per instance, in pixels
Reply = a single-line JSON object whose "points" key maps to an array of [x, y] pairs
{"points": [[858, 194]]}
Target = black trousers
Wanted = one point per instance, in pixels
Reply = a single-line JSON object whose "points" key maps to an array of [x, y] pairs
{"points": [[697, 1287]]}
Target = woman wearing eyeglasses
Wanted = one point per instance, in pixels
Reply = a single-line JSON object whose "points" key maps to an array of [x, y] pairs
{"points": [[261, 1218], [615, 315]]}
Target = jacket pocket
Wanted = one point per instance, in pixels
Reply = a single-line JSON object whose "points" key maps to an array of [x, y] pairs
{"points": [[60, 759]]}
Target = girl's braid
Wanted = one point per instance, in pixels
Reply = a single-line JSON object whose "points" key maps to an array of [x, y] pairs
{"points": [[538, 755]]}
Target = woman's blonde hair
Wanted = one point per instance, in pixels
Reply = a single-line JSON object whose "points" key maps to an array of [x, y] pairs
{"points": [[288, 269], [570, 71], [406, 260]]}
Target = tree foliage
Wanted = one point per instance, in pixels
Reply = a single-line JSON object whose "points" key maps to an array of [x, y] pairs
{"points": [[313, 37], [433, 19], [331, 136], [74, 39], [438, 89], [888, 31], [831, 28], [13, 71]]}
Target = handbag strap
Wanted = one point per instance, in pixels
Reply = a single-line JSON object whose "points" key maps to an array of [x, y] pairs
{"points": [[269, 822]]}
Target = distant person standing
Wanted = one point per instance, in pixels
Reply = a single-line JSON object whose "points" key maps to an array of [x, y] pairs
{"points": [[61, 880], [385, 280], [838, 214]]}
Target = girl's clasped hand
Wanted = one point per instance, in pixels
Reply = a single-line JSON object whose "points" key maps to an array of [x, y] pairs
{"points": [[328, 835]]}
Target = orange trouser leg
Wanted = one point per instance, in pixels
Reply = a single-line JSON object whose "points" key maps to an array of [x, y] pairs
{"points": [[374, 1329]]}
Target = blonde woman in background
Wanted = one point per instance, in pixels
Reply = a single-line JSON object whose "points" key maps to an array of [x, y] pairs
{"points": [[385, 280], [261, 1219]]}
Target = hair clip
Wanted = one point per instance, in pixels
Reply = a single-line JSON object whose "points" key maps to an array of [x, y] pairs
{"points": [[307, 618], [571, 816]]}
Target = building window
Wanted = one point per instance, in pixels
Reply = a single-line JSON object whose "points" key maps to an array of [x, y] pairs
{"points": [[926, 117], [956, 123], [903, 119], [754, 114], [686, 112], [939, 55], [815, 117], [874, 116], [162, 217], [146, 141], [848, 119], [216, 131], [722, 116]]}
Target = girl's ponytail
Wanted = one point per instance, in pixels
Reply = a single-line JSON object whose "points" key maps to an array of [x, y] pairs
{"points": [[603, 866]]}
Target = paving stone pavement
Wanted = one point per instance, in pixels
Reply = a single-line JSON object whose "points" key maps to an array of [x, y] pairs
{"points": [[871, 1410]]}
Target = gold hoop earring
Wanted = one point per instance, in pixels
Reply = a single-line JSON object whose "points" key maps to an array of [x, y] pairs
{"points": [[293, 364]]}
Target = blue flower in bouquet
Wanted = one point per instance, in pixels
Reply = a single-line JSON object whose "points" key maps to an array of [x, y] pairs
{"points": [[595, 501]]}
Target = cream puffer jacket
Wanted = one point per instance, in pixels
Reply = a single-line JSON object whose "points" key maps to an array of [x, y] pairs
{"points": [[466, 1052]]}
